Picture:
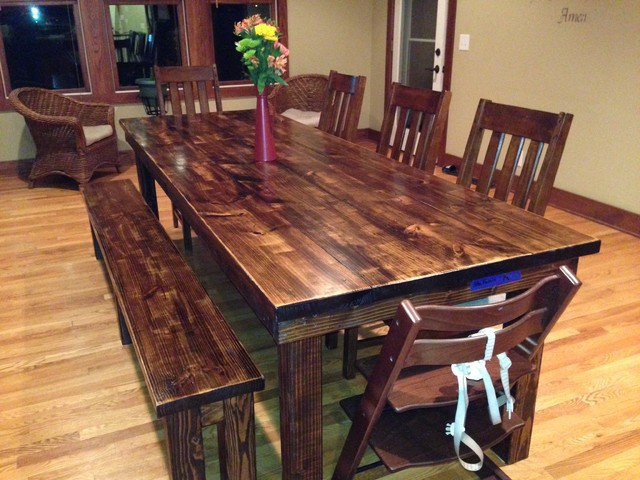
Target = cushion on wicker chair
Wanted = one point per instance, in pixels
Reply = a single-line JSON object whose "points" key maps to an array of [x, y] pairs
{"points": [[95, 133], [308, 118]]}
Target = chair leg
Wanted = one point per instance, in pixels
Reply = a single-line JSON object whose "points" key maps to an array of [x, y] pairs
{"points": [[186, 236], [350, 352], [174, 214], [331, 340], [355, 446]]}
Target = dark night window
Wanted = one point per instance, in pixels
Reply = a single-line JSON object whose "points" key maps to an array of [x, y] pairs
{"points": [[224, 17], [41, 46]]}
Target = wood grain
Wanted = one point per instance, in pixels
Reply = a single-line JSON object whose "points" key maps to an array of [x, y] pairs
{"points": [[73, 402]]}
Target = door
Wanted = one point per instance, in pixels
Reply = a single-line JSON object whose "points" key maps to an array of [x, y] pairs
{"points": [[419, 46]]}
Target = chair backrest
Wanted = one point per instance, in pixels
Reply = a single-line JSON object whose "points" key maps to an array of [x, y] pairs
{"points": [[193, 80], [525, 320], [532, 188], [413, 368], [303, 92], [342, 104], [413, 126]]}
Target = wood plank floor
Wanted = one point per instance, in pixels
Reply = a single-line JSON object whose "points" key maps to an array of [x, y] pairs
{"points": [[73, 403]]}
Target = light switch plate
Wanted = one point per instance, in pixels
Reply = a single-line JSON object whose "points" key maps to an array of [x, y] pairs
{"points": [[465, 39]]}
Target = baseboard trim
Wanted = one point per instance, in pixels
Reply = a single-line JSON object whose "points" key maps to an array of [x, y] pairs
{"points": [[599, 212]]}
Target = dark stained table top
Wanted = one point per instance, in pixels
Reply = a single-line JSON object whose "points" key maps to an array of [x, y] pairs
{"points": [[330, 225]]}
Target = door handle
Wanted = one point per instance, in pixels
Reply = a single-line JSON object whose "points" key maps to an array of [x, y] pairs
{"points": [[435, 69]]}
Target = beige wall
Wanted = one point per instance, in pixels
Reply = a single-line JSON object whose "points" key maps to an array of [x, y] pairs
{"points": [[333, 34], [521, 54]]}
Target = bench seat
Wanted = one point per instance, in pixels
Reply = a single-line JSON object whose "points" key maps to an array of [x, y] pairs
{"points": [[188, 353]]}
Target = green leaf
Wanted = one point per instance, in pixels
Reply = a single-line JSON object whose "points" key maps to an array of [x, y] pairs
{"points": [[261, 84]]}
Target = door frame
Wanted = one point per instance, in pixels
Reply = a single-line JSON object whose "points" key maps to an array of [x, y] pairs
{"points": [[448, 49]]}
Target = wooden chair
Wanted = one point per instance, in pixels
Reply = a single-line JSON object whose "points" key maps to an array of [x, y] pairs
{"points": [[194, 82], [301, 99], [411, 394], [531, 187], [342, 104], [72, 138], [423, 113]]}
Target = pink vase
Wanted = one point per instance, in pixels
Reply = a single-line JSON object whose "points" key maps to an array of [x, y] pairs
{"points": [[265, 149]]}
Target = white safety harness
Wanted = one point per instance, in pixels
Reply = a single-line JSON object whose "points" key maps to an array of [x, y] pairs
{"points": [[477, 370]]}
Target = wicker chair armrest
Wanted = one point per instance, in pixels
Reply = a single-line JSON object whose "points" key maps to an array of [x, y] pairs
{"points": [[93, 113], [54, 133]]}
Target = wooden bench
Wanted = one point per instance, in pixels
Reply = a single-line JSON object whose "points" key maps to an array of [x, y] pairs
{"points": [[188, 353]]}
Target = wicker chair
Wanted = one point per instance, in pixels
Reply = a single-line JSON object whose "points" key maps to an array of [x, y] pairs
{"points": [[302, 95], [72, 138]]}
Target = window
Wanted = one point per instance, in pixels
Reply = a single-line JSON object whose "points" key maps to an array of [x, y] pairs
{"points": [[144, 35], [99, 48], [41, 46], [224, 16]]}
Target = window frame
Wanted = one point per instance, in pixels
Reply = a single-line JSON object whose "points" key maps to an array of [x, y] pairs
{"points": [[97, 49]]}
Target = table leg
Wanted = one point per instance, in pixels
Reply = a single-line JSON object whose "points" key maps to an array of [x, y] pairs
{"points": [[147, 186], [300, 377]]}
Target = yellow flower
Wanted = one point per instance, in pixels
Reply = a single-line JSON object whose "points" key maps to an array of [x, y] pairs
{"points": [[266, 31]]}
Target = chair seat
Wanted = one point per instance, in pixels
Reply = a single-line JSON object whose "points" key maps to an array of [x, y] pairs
{"points": [[95, 133], [428, 386], [418, 438], [311, 119]]}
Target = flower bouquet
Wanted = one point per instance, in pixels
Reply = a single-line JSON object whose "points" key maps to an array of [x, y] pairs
{"points": [[262, 53]]}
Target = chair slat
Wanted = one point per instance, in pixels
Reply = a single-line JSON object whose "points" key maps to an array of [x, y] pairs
{"points": [[490, 162], [527, 174], [509, 168]]}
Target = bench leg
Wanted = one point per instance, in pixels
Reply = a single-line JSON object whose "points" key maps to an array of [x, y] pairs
{"points": [[238, 449], [125, 338], [184, 445]]}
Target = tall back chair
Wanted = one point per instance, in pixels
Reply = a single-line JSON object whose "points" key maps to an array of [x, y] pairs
{"points": [[411, 394], [532, 185], [413, 126], [193, 81], [342, 104]]}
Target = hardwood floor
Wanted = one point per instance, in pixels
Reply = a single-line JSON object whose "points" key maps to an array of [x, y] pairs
{"points": [[73, 403]]}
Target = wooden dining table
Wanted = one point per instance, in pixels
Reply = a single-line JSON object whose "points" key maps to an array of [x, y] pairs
{"points": [[332, 235]]}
